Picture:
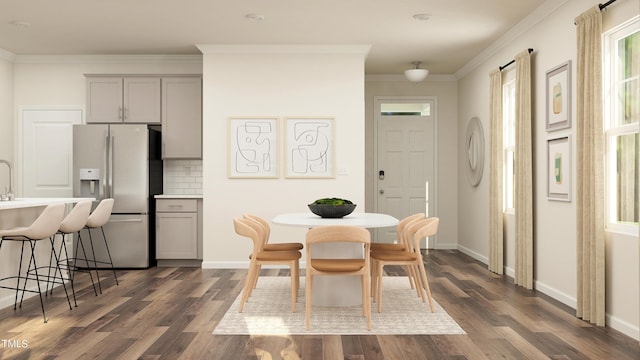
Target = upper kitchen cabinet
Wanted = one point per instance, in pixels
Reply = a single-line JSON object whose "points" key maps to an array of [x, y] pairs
{"points": [[182, 117], [117, 99]]}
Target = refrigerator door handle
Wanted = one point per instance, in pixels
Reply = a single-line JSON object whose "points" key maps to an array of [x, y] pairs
{"points": [[111, 167], [125, 220], [105, 175]]}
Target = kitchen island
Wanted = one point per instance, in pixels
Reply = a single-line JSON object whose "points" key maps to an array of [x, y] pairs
{"points": [[22, 212]]}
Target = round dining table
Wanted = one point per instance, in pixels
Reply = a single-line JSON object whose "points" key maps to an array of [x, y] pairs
{"points": [[336, 290]]}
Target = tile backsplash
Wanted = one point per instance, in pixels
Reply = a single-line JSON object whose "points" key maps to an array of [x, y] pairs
{"points": [[182, 177]]}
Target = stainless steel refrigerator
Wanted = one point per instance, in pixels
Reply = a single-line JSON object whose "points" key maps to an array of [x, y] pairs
{"points": [[123, 162]]}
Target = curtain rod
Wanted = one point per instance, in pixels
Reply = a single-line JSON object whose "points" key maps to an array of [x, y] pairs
{"points": [[512, 61], [604, 6]]}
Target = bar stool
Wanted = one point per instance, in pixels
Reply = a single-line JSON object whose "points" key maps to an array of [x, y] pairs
{"points": [[42, 228], [72, 224], [98, 218]]}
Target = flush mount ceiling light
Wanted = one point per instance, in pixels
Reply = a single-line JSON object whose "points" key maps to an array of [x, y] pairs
{"points": [[422, 17], [255, 17], [22, 24], [416, 74]]}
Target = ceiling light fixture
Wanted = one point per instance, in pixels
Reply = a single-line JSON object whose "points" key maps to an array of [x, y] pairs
{"points": [[422, 17], [255, 17], [22, 24], [416, 74]]}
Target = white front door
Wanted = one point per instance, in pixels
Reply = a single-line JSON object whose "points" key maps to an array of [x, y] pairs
{"points": [[45, 155], [406, 161]]}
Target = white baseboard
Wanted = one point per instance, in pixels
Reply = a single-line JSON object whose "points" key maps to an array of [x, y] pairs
{"points": [[242, 265], [623, 326], [483, 259]]}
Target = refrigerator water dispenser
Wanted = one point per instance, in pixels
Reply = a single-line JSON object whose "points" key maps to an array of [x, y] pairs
{"points": [[89, 182]]}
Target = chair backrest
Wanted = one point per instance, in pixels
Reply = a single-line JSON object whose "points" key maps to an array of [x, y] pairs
{"points": [[100, 214], [405, 221], [263, 222], [47, 223], [77, 217], [411, 230], [338, 234], [252, 230], [424, 229]]}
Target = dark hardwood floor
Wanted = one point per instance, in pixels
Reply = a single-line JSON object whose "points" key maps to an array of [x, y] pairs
{"points": [[169, 313]]}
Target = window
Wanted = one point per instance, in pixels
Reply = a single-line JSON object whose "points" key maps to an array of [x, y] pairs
{"points": [[621, 125], [509, 141]]}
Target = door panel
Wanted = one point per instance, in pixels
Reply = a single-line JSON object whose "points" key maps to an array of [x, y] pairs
{"points": [[90, 152], [406, 154], [129, 182], [127, 237], [47, 152]]}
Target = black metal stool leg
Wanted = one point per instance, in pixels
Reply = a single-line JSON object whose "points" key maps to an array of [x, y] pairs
{"points": [[75, 266], [95, 263], [109, 253], [35, 269]]}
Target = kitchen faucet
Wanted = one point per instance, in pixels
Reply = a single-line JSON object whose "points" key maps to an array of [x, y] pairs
{"points": [[9, 195]]}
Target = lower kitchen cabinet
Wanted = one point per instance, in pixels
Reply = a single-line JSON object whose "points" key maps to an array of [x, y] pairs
{"points": [[178, 232]]}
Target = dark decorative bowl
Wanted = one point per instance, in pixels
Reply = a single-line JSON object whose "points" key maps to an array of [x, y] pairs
{"points": [[332, 211]]}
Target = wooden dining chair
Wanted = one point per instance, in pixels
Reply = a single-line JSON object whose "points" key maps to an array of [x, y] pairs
{"points": [[412, 257], [331, 267], [401, 245], [263, 228], [249, 228]]}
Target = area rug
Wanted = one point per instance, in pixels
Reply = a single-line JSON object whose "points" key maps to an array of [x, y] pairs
{"points": [[268, 312]]}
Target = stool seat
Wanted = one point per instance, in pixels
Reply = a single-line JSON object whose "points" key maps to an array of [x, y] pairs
{"points": [[44, 227], [97, 219]]}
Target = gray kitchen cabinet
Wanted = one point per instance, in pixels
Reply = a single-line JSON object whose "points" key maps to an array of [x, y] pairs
{"points": [[182, 117], [178, 235], [118, 99]]}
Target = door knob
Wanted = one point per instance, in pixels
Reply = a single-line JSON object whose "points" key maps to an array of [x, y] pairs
{"points": [[381, 191]]}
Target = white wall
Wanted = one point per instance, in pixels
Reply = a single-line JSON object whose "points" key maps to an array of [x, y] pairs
{"points": [[6, 119], [276, 81], [444, 88], [554, 41]]}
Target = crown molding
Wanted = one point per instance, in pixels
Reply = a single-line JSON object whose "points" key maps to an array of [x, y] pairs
{"points": [[108, 59], [402, 78], [543, 11], [6, 55], [285, 49]]}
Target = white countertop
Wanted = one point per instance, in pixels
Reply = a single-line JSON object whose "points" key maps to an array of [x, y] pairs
{"points": [[35, 202], [178, 196]]}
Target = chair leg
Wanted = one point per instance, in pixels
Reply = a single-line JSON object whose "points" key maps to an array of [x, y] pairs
{"points": [[15, 301], [75, 267], [294, 287], [379, 270], [366, 299], [35, 269], [308, 285], [248, 285], [57, 268], [69, 271], [109, 254], [425, 282], [95, 263]]}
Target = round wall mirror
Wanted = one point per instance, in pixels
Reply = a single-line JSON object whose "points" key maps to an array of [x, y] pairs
{"points": [[475, 151]]}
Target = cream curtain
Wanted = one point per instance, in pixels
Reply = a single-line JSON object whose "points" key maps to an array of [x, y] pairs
{"points": [[496, 149], [590, 169], [523, 187]]}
